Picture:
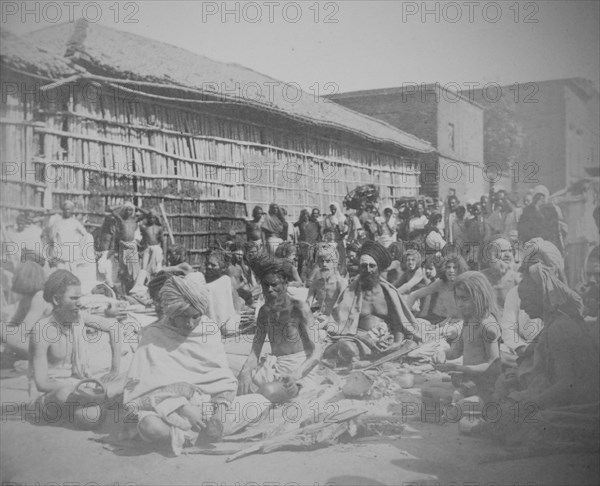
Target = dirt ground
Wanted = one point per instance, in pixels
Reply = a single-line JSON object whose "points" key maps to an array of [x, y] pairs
{"points": [[425, 454]]}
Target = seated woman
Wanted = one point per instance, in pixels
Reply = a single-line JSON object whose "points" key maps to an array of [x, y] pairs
{"points": [[58, 353], [179, 383], [478, 343], [28, 282], [556, 383]]}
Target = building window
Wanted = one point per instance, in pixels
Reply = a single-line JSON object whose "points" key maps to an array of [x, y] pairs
{"points": [[451, 135]]}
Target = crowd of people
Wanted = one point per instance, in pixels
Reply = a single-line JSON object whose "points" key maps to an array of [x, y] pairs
{"points": [[481, 286]]}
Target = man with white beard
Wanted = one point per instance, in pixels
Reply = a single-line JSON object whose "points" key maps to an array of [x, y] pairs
{"points": [[498, 253], [329, 284]]}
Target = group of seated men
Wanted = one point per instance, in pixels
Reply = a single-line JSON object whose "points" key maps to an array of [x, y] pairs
{"points": [[179, 380]]}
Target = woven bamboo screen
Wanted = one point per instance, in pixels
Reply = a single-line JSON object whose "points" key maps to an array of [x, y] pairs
{"points": [[103, 146]]}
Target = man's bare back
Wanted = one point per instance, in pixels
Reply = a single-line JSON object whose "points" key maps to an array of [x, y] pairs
{"points": [[152, 234]]}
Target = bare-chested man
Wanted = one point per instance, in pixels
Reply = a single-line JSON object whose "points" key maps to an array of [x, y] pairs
{"points": [[253, 227], [242, 277], [152, 239], [58, 353], [129, 260], [65, 234], [290, 327], [502, 272], [370, 313], [328, 286]]}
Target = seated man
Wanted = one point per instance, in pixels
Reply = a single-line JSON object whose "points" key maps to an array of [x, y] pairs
{"points": [[370, 312], [290, 327], [501, 272], [58, 350], [224, 303], [179, 384], [329, 284], [242, 276]]}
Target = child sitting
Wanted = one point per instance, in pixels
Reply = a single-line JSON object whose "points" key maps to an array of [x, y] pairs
{"points": [[478, 342]]}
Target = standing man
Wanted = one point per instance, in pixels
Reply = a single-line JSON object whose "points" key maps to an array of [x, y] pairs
{"points": [[152, 240], [450, 217], [127, 247], [64, 234], [253, 227], [274, 228], [310, 235]]}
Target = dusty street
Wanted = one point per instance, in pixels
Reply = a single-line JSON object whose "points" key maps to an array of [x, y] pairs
{"points": [[425, 454]]}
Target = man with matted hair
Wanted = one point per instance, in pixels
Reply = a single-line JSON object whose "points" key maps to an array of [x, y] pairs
{"points": [[292, 334], [370, 312]]}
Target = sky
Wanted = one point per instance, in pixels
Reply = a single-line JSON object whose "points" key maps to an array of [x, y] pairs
{"points": [[353, 45]]}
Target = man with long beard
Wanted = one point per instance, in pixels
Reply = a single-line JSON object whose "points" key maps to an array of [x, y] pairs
{"points": [[370, 312], [501, 273], [328, 286]]}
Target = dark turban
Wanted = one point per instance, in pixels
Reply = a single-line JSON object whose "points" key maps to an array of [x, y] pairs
{"points": [[378, 252]]}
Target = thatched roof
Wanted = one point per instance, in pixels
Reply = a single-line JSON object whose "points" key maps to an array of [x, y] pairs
{"points": [[121, 55], [23, 55]]}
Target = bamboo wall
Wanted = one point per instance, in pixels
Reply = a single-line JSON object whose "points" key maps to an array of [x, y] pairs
{"points": [[104, 146]]}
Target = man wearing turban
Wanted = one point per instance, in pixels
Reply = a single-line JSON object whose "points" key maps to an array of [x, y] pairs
{"points": [[370, 311], [179, 382]]}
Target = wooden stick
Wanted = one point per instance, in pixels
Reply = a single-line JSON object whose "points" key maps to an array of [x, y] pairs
{"points": [[164, 215], [392, 356], [268, 444]]}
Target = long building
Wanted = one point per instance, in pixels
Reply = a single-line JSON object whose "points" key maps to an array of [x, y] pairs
{"points": [[100, 116], [451, 122]]}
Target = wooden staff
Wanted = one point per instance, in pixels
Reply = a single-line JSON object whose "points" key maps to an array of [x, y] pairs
{"points": [[164, 215]]}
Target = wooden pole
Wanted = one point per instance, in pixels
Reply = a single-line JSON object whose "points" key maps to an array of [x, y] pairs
{"points": [[164, 215]]}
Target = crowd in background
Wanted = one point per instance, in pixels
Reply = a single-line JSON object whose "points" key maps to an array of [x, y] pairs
{"points": [[487, 278]]}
